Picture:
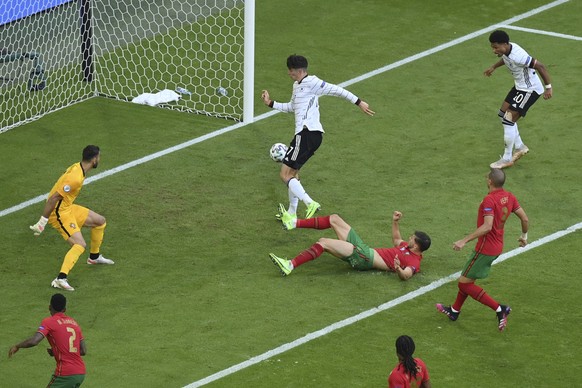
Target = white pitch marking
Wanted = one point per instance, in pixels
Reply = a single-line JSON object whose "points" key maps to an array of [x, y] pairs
{"points": [[541, 32]]}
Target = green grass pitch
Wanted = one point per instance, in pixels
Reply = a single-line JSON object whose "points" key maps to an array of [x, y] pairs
{"points": [[193, 292]]}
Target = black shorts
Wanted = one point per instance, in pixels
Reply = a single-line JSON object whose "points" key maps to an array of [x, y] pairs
{"points": [[520, 101], [302, 147]]}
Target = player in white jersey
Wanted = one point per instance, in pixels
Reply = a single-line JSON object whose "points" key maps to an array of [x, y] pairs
{"points": [[521, 97], [308, 130]]}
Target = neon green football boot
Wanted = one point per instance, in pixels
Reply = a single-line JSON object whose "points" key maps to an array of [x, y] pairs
{"points": [[284, 265]]}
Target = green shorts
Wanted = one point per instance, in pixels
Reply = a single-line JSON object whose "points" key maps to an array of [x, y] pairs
{"points": [[71, 381], [478, 266], [363, 256]]}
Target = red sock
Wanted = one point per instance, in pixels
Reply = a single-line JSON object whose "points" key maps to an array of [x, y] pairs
{"points": [[314, 223], [478, 294], [312, 253], [461, 297]]}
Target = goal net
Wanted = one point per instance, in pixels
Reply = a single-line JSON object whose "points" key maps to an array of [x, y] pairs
{"points": [[54, 53]]}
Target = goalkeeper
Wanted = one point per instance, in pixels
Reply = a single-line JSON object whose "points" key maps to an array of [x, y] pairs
{"points": [[68, 218]]}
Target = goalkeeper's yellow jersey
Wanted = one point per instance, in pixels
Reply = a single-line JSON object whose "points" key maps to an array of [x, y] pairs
{"points": [[69, 185]]}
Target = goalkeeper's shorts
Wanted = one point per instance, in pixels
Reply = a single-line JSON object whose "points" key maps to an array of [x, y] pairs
{"points": [[69, 221]]}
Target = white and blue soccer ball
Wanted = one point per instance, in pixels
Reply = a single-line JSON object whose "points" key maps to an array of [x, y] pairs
{"points": [[278, 151]]}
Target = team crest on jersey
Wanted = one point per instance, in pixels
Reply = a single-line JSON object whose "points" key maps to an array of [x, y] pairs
{"points": [[67, 188], [504, 200], [73, 226]]}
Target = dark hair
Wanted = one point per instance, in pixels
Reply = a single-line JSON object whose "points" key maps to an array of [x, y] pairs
{"points": [[296, 62], [58, 302], [405, 349], [498, 36], [422, 239], [497, 177], [90, 152]]}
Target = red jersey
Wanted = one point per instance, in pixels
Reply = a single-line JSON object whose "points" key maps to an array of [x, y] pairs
{"points": [[499, 204], [64, 335], [406, 257], [400, 378]]}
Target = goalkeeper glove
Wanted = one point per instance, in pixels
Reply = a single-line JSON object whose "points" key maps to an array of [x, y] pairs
{"points": [[39, 226]]}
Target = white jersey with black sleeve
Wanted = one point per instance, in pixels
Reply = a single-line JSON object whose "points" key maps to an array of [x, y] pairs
{"points": [[521, 64], [305, 101]]}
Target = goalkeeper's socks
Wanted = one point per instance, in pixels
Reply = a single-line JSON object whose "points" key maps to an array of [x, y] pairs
{"points": [[71, 258], [312, 253], [62, 275], [314, 223], [94, 256]]}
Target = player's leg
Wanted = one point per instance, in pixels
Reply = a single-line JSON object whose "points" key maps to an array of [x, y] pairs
{"points": [[293, 202], [97, 223], [68, 225], [302, 148], [295, 191], [529, 98], [286, 266], [477, 266], [78, 245], [506, 113], [467, 287], [340, 227], [338, 248]]}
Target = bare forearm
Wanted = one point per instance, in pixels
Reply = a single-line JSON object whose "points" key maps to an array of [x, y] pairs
{"points": [[396, 236], [50, 205]]}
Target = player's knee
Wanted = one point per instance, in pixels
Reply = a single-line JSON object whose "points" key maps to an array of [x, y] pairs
{"points": [[286, 176], [335, 220], [508, 117], [78, 241], [323, 242]]}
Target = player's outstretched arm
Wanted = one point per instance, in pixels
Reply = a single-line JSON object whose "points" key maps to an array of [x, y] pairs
{"points": [[27, 343]]}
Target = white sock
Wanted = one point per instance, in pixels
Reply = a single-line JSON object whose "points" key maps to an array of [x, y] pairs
{"points": [[297, 188], [509, 138], [293, 202], [518, 142]]}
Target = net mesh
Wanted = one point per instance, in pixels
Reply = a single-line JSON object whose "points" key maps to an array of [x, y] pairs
{"points": [[136, 47]]}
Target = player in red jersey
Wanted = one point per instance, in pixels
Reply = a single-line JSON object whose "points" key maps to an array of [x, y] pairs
{"points": [[404, 258], [494, 210], [410, 372], [67, 344]]}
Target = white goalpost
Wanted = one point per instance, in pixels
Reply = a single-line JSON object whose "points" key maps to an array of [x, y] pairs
{"points": [[54, 53]]}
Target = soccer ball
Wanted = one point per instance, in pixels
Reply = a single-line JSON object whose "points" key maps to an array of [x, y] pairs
{"points": [[278, 151]]}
